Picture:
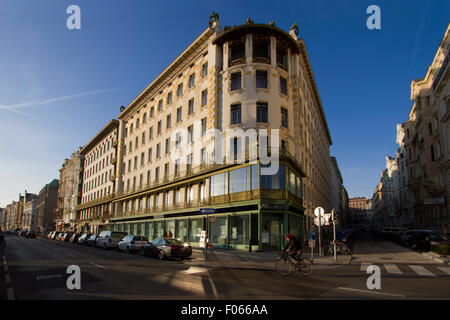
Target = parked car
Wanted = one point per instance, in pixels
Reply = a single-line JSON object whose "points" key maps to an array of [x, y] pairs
{"points": [[166, 248], [83, 238], [109, 239], [92, 240], [66, 237], [75, 237], [22, 233], [30, 234], [399, 235], [132, 243], [390, 232], [421, 239]]}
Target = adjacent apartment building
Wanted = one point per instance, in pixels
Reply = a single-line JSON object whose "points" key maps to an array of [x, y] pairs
{"points": [[69, 192], [427, 143], [184, 144], [46, 207], [99, 178]]}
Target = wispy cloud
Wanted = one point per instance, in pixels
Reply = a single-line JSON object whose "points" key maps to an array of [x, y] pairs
{"points": [[52, 100]]}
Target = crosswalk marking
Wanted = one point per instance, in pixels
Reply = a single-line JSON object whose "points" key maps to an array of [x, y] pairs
{"points": [[392, 268], [445, 269], [365, 265], [421, 271]]}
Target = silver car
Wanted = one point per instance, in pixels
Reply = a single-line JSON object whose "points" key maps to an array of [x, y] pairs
{"points": [[109, 239], [132, 243]]}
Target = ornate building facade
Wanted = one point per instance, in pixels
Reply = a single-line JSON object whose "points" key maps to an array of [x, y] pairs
{"points": [[228, 83]]}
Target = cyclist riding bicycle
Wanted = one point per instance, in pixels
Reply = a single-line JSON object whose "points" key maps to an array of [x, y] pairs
{"points": [[293, 247]]}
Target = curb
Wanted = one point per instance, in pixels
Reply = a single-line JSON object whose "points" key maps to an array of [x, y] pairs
{"points": [[438, 259]]}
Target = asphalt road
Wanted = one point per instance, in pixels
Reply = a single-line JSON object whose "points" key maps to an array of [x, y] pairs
{"points": [[37, 268]]}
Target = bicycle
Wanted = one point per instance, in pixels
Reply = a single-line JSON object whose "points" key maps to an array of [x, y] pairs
{"points": [[284, 265]]}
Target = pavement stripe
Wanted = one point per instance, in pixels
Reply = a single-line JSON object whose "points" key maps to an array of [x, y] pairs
{"points": [[98, 265], [445, 269], [10, 293], [71, 255], [364, 266], [372, 292], [421, 271], [392, 268]]}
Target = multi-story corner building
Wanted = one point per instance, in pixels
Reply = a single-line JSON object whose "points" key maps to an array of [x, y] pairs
{"points": [[30, 212], [46, 207], [99, 178], [428, 144], [69, 192], [252, 78]]}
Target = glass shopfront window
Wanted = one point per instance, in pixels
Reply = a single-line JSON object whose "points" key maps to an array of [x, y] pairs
{"points": [[276, 181], [151, 231], [218, 231], [239, 229], [299, 187], [159, 229], [219, 184], [170, 226], [195, 229], [181, 231], [237, 180], [295, 226]]}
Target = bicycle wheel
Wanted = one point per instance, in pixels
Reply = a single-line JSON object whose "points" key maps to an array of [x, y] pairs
{"points": [[306, 265], [283, 266]]}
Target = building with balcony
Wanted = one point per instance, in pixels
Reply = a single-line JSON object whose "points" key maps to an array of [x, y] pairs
{"points": [[427, 143], [99, 179], [185, 143], [69, 192]]}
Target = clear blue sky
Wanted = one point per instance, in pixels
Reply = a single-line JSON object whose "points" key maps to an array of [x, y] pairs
{"points": [[66, 85]]}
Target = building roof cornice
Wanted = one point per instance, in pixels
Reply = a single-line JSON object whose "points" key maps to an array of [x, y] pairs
{"points": [[111, 125], [203, 37]]}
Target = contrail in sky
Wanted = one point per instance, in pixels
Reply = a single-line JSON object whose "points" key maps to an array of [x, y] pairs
{"points": [[52, 100]]}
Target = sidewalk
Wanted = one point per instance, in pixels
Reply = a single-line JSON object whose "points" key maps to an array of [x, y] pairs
{"points": [[437, 257], [230, 258]]}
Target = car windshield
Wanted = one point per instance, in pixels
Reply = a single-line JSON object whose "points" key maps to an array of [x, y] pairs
{"points": [[139, 238], [118, 234]]}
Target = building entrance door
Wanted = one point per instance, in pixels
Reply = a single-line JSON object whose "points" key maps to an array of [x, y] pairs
{"points": [[271, 233]]}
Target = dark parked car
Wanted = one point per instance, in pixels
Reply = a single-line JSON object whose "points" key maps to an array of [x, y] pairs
{"points": [[421, 239], [30, 235], [166, 248], [92, 240], [75, 237], [22, 233], [83, 238], [66, 237], [399, 236]]}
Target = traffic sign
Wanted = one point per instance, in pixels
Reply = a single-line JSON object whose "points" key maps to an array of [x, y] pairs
{"points": [[318, 212], [207, 210], [319, 221]]}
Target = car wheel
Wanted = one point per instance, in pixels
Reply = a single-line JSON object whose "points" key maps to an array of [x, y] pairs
{"points": [[161, 255], [128, 250], [105, 247], [142, 252]]}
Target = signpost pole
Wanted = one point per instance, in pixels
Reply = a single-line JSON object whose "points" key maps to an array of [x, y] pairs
{"points": [[320, 240], [334, 234], [206, 237]]}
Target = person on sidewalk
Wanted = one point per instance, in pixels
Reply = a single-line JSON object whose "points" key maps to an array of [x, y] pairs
{"points": [[293, 247]]}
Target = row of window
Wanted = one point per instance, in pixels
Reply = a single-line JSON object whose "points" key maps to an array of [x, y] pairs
{"points": [[261, 52], [191, 83], [97, 195], [99, 151], [98, 166], [262, 111], [150, 137], [262, 81], [97, 181]]}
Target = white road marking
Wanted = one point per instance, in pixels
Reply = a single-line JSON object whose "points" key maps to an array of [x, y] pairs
{"points": [[213, 286], [372, 292], [7, 278], [10, 293], [421, 271], [364, 266], [445, 269], [98, 265], [392, 268], [192, 270], [71, 255]]}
